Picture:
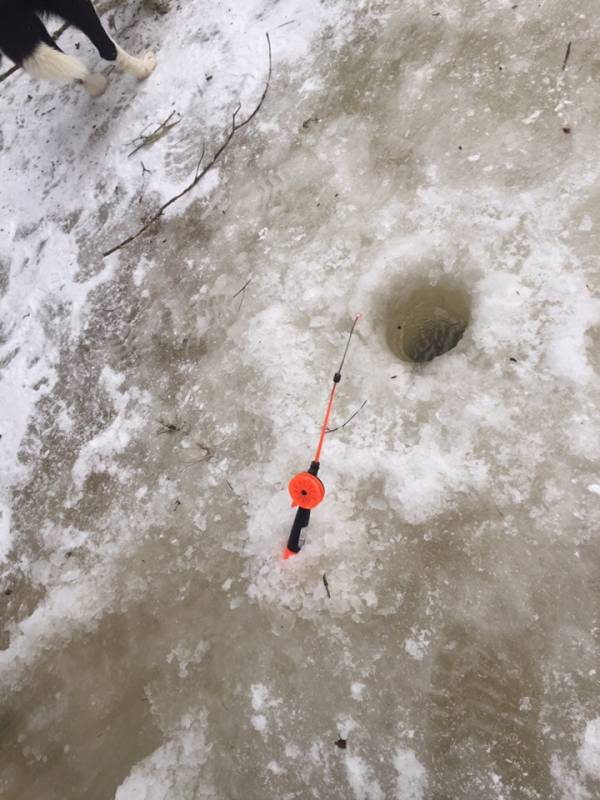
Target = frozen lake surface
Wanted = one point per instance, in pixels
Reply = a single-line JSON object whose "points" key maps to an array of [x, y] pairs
{"points": [[155, 403]]}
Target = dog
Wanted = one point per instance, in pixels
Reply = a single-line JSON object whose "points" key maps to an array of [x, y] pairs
{"points": [[25, 40]]}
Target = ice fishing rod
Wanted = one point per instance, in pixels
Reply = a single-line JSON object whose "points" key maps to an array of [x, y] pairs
{"points": [[305, 488]]}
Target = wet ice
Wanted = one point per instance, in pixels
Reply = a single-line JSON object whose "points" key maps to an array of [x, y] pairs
{"points": [[155, 644]]}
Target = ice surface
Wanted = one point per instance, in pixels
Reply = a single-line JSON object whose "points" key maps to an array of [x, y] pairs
{"points": [[153, 406]]}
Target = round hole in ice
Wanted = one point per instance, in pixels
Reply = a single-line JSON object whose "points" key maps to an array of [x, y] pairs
{"points": [[427, 320]]}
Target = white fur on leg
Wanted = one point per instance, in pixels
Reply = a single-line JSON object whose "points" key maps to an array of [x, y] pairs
{"points": [[95, 84], [138, 67], [47, 62]]}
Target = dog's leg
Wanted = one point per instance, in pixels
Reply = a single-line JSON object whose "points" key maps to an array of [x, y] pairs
{"points": [[25, 40], [48, 62], [138, 67], [82, 15]]}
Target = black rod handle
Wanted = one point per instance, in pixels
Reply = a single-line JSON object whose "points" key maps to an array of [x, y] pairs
{"points": [[301, 520]]}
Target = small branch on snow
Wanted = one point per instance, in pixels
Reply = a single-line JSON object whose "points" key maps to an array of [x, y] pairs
{"points": [[350, 418], [326, 585], [200, 173], [156, 135], [198, 176], [242, 292], [567, 54], [243, 289], [5, 75]]}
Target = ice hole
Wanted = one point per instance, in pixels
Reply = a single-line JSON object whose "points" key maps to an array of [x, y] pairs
{"points": [[427, 321]]}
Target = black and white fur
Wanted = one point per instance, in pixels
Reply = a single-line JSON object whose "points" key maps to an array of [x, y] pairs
{"points": [[25, 40]]}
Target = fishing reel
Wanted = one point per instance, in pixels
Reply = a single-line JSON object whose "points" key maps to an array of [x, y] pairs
{"points": [[307, 492]]}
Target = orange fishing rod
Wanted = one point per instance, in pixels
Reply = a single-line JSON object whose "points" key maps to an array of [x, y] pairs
{"points": [[305, 488]]}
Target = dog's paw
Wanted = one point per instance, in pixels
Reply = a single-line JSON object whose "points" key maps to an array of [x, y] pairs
{"points": [[147, 65], [95, 84]]}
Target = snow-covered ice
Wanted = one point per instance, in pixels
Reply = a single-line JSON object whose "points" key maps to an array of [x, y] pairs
{"points": [[155, 403]]}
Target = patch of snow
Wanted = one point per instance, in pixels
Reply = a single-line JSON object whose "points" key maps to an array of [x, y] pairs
{"points": [[260, 694], [174, 770], [259, 723], [361, 779], [357, 689], [411, 782], [569, 783], [589, 752], [417, 646], [5, 531], [97, 455]]}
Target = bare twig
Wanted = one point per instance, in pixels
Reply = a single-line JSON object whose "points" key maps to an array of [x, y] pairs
{"points": [[200, 173], [145, 171], [5, 75], [350, 418], [243, 289], [567, 54], [326, 585], [156, 135], [242, 292]]}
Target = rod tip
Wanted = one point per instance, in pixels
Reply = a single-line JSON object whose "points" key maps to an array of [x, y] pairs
{"points": [[287, 553]]}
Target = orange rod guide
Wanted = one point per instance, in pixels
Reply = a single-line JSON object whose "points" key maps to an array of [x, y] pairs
{"points": [[306, 488]]}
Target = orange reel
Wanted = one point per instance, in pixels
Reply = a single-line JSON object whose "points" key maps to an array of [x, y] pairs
{"points": [[306, 490]]}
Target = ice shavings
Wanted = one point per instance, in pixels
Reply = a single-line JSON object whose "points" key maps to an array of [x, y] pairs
{"points": [[175, 769]]}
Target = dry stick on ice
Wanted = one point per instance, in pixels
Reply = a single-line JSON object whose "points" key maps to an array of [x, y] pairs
{"points": [[567, 54], [200, 173], [242, 291], [156, 135]]}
